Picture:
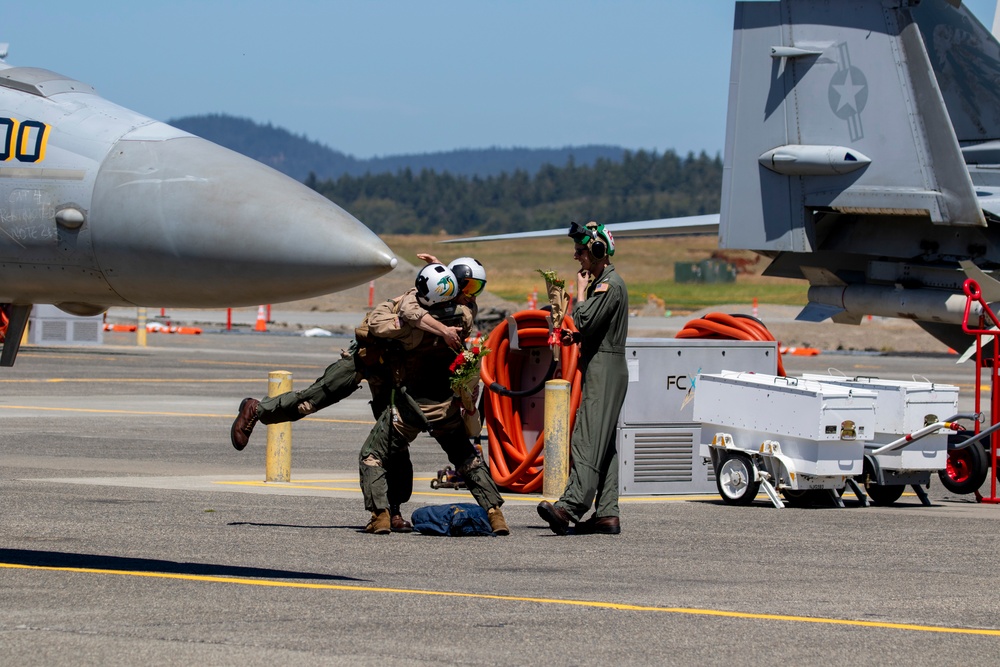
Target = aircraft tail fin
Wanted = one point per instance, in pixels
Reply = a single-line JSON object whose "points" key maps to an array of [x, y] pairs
{"points": [[836, 110], [965, 57]]}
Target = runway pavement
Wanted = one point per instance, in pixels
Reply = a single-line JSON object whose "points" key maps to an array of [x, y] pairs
{"points": [[134, 533]]}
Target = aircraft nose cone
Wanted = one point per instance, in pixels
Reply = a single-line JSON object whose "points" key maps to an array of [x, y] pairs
{"points": [[185, 222]]}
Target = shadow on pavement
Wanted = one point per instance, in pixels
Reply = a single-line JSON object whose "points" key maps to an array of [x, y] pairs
{"points": [[97, 562]]}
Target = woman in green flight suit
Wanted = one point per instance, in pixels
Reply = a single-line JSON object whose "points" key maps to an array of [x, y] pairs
{"points": [[601, 316]]}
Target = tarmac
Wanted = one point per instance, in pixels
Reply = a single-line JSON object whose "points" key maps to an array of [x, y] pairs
{"points": [[134, 533]]}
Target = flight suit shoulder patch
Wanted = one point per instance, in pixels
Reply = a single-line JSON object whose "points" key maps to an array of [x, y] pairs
{"points": [[602, 287]]}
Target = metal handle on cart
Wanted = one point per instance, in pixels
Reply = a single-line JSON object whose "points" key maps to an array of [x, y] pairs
{"points": [[789, 381], [931, 428], [913, 437], [976, 438], [971, 416]]}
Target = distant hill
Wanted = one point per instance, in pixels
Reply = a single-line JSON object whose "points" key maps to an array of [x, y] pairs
{"points": [[297, 156]]}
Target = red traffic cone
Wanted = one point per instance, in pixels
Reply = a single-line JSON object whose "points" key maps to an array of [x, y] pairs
{"points": [[261, 320]]}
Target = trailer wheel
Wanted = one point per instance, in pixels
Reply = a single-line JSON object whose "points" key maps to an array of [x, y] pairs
{"points": [[966, 469], [885, 494], [735, 480], [880, 494]]}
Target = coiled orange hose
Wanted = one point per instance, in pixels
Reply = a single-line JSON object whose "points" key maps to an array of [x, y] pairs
{"points": [[513, 465], [728, 327]]}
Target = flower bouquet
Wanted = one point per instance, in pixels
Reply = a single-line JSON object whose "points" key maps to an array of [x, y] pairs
{"points": [[559, 301], [465, 384]]}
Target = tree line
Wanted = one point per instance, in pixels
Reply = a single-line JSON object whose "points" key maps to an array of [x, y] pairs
{"points": [[297, 156], [642, 186]]}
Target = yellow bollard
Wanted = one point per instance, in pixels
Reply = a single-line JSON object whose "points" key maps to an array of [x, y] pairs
{"points": [[279, 436], [557, 395], [140, 327]]}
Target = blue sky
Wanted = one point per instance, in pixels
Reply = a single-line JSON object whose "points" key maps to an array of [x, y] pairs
{"points": [[384, 77]]}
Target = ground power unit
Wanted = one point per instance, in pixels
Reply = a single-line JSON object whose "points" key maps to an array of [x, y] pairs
{"points": [[658, 436]]}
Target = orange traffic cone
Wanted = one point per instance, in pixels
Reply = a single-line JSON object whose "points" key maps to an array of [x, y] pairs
{"points": [[261, 320]]}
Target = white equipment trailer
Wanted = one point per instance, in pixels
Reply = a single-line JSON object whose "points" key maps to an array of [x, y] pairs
{"points": [[904, 408], [784, 434]]}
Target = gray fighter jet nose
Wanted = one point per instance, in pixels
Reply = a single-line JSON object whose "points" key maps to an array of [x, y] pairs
{"points": [[184, 222]]}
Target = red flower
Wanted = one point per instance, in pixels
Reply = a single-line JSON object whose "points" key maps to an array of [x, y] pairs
{"points": [[465, 368]]}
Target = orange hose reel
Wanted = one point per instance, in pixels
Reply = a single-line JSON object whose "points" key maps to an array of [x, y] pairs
{"points": [[730, 327], [513, 465]]}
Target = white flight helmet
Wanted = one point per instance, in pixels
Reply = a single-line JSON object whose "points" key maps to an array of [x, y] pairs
{"points": [[435, 284], [471, 275]]}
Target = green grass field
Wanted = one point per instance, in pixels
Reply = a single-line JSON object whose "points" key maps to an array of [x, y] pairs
{"points": [[646, 264]]}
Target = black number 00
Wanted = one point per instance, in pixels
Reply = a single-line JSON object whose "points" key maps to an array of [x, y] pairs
{"points": [[23, 141]]}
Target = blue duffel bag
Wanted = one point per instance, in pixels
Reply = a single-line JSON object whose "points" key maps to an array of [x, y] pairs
{"points": [[457, 520]]}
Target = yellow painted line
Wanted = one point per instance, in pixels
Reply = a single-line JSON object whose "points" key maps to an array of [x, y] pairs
{"points": [[646, 499], [64, 356], [130, 380], [593, 604], [638, 499], [288, 485], [99, 411], [161, 414], [123, 380], [334, 481], [367, 422], [203, 362], [323, 481]]}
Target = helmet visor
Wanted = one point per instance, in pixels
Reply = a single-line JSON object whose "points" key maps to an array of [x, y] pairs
{"points": [[473, 287]]}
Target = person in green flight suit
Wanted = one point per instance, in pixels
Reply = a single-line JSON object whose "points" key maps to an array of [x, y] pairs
{"points": [[601, 316], [418, 383]]}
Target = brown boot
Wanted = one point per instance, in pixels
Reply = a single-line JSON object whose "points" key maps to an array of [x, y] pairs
{"points": [[497, 522], [603, 525], [397, 522], [557, 518], [243, 425], [380, 523]]}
